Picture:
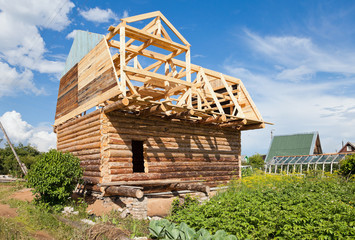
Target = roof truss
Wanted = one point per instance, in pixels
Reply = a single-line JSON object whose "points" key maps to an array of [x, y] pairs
{"points": [[155, 82]]}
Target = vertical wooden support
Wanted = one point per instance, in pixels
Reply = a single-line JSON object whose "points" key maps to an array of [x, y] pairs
{"points": [[275, 168], [123, 59], [135, 62], [159, 26], [270, 168], [301, 168], [22, 166], [188, 75], [294, 168], [287, 168], [308, 167], [281, 169]]}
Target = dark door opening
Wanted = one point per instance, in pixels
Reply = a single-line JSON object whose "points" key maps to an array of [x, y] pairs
{"points": [[138, 158]]}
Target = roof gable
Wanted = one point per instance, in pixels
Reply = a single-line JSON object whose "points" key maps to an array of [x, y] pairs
{"points": [[296, 144], [83, 43]]}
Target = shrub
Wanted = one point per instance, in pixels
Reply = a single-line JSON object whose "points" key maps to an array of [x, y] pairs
{"points": [[347, 166], [54, 176], [256, 161]]}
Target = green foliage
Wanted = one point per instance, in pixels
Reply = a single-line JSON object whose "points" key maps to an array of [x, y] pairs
{"points": [[256, 161], [281, 207], [187, 202], [163, 229], [247, 171], [8, 163], [347, 166], [54, 177]]}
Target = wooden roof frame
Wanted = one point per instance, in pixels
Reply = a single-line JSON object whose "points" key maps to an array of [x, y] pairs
{"points": [[204, 99]]}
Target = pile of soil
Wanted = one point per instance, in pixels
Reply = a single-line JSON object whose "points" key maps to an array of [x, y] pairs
{"points": [[106, 231]]}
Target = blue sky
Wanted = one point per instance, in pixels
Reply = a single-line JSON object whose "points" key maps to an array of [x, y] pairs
{"points": [[296, 59]]}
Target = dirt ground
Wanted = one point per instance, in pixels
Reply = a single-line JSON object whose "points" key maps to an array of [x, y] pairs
{"points": [[7, 212], [23, 195]]}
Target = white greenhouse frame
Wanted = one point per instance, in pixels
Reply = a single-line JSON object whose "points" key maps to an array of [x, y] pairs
{"points": [[278, 164]]}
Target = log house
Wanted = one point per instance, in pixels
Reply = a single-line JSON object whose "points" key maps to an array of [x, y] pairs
{"points": [[154, 119]]}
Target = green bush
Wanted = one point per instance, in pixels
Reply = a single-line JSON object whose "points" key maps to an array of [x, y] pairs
{"points": [[54, 177], [256, 161], [347, 166], [278, 207]]}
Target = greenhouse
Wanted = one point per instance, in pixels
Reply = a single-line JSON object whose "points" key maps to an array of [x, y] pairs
{"points": [[297, 164]]}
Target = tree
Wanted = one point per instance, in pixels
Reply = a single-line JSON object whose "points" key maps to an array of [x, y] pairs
{"points": [[256, 161], [8, 164], [347, 166]]}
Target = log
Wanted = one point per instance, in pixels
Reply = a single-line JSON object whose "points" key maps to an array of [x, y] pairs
{"points": [[76, 147], [153, 110], [91, 117], [233, 123], [67, 136], [148, 182], [80, 137], [116, 105], [76, 129], [190, 186], [80, 142], [123, 191], [253, 126]]}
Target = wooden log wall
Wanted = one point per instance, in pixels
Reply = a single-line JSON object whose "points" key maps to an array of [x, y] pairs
{"points": [[82, 137], [171, 149]]}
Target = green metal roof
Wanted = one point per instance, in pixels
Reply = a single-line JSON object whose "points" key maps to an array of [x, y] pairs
{"points": [[292, 145], [82, 45]]}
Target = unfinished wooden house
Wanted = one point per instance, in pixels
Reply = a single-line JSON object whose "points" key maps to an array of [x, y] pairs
{"points": [[157, 118]]}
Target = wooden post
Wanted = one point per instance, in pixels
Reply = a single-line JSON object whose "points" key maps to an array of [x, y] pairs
{"points": [[287, 168], [123, 59], [301, 168], [275, 168], [124, 191], [22, 166], [331, 168]]}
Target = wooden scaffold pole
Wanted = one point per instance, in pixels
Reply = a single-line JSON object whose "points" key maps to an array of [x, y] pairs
{"points": [[22, 166]]}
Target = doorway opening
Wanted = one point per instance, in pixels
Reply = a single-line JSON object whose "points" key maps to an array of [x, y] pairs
{"points": [[138, 158]]}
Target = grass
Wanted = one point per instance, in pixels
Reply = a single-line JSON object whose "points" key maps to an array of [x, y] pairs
{"points": [[33, 218]]}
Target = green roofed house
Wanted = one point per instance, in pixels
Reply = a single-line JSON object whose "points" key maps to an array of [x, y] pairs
{"points": [[296, 144]]}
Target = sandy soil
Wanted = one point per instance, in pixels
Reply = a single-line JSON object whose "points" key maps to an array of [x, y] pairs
{"points": [[23, 195], [7, 211]]}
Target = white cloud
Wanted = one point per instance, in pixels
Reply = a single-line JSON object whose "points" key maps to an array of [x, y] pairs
{"points": [[71, 35], [125, 14], [12, 81], [21, 45], [18, 130], [98, 15], [300, 57], [297, 108]]}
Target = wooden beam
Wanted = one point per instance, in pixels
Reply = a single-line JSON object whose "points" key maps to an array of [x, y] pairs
{"points": [[234, 123], [123, 191], [190, 186], [153, 110], [141, 17], [253, 126], [117, 105]]}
